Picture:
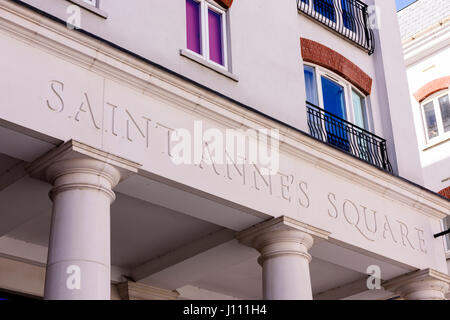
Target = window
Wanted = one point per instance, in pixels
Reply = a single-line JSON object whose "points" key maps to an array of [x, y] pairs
{"points": [[345, 16], [325, 8], [206, 31], [330, 10], [91, 5], [359, 106], [436, 115], [339, 98], [348, 15], [335, 95], [311, 85]]}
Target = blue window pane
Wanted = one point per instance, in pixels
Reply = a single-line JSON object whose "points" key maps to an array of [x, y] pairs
{"points": [[348, 15], [334, 103], [325, 8], [333, 97], [430, 119], [311, 85]]}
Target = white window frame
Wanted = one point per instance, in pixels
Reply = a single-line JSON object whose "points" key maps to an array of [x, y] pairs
{"points": [[348, 87], [92, 6], [94, 3], [206, 5], [437, 112]]}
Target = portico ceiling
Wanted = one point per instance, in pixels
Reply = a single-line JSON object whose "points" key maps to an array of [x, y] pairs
{"points": [[140, 231], [244, 279], [6, 163]]}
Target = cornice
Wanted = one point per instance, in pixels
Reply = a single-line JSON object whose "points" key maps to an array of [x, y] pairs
{"points": [[281, 224], [97, 56], [74, 150], [415, 276], [427, 42]]}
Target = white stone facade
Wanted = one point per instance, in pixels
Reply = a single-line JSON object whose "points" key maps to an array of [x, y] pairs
{"points": [[94, 205], [425, 29]]}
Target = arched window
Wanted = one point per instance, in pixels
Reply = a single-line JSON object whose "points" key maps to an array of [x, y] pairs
{"points": [[436, 115], [338, 114], [335, 95]]}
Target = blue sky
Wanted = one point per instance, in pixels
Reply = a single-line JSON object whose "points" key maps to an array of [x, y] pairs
{"points": [[403, 3]]}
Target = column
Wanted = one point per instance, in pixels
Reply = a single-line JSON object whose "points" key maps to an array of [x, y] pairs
{"points": [[284, 244], [79, 263], [425, 284]]}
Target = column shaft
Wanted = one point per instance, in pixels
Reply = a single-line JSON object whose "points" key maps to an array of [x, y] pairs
{"points": [[283, 244], [286, 278], [78, 265]]}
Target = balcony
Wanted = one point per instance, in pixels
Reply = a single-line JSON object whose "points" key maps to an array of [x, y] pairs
{"points": [[348, 137], [348, 18]]}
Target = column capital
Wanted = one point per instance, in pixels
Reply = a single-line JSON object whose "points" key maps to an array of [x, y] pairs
{"points": [[73, 149], [281, 236], [75, 165], [82, 174], [427, 284]]}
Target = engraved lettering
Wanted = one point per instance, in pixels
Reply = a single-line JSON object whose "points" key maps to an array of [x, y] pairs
{"points": [[357, 219], [235, 145], [404, 233], [303, 186], [286, 181], [267, 181], [332, 200], [168, 136], [374, 215], [214, 140], [207, 159], [113, 120], [232, 164], [387, 227], [81, 109], [53, 85], [180, 153], [422, 245]]}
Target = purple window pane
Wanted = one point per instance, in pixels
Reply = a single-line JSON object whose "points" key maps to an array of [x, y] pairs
{"points": [[193, 27], [215, 37]]}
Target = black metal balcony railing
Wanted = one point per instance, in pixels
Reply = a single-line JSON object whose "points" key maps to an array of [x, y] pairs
{"points": [[348, 137], [349, 18]]}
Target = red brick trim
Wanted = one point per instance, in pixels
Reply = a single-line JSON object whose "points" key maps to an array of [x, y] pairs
{"points": [[321, 55], [445, 192], [225, 3], [432, 87]]}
